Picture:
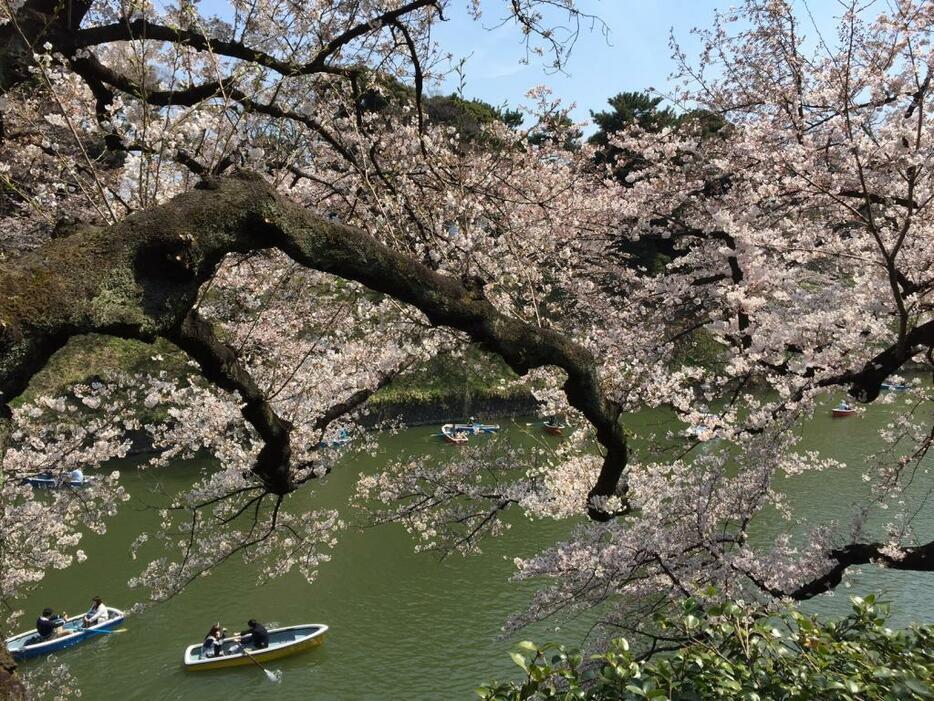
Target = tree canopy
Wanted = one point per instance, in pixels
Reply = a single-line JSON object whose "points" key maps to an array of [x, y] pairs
{"points": [[225, 185]]}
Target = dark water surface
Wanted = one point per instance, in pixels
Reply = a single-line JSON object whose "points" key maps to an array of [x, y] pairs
{"points": [[403, 625]]}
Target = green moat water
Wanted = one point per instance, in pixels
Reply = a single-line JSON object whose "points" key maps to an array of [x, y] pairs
{"points": [[403, 625]]}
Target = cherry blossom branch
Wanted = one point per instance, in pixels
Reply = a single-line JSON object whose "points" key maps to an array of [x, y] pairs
{"points": [[142, 29], [30, 25], [95, 72], [358, 398]]}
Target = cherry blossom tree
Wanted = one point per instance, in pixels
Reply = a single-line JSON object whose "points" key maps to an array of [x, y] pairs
{"points": [[221, 184], [226, 184], [804, 250]]}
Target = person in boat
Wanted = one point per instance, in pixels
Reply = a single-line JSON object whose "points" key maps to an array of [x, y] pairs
{"points": [[98, 613], [256, 634], [213, 645], [50, 626], [76, 476]]}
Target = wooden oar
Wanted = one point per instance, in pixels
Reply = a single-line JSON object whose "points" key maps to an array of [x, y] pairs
{"points": [[269, 675]]}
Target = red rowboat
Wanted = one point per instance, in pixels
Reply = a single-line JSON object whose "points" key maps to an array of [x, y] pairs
{"points": [[553, 428], [842, 409], [452, 436]]}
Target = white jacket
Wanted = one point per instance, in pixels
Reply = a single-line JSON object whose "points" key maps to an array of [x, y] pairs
{"points": [[97, 615]]}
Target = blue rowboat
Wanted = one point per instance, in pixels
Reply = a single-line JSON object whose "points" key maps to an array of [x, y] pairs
{"points": [[842, 409], [342, 439], [894, 386], [27, 645]]}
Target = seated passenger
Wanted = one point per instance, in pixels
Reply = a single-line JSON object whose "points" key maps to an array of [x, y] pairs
{"points": [[256, 635], [98, 613], [213, 645], [76, 476]]}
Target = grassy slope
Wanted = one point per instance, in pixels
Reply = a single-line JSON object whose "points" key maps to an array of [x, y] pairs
{"points": [[86, 358], [477, 375], [94, 357]]}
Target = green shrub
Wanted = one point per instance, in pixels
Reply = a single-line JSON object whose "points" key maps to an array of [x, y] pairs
{"points": [[734, 651]]}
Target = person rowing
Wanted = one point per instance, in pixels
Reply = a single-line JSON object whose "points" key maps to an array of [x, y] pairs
{"points": [[256, 634], [50, 626], [98, 613]]}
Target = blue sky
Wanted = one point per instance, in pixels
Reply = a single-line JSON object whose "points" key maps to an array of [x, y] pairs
{"points": [[634, 56]]}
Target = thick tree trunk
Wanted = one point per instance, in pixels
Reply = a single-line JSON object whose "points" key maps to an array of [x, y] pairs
{"points": [[37, 21]]}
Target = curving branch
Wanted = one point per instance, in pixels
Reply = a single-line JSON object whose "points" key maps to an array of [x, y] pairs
{"points": [[358, 398], [220, 365], [136, 29], [919, 558], [866, 383], [140, 277]]}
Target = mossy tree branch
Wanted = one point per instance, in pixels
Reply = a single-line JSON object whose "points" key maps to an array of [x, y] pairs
{"points": [[140, 278]]}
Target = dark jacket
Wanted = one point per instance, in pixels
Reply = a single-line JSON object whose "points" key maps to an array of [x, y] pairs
{"points": [[257, 635], [46, 626]]}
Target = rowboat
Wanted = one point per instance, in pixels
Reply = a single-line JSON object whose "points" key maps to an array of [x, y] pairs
{"points": [[553, 427], [282, 643], [704, 430], [476, 428], [27, 645], [47, 480], [342, 439], [452, 436], [842, 409], [894, 386]]}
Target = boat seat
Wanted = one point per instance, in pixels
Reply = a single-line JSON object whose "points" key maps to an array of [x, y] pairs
{"points": [[34, 640]]}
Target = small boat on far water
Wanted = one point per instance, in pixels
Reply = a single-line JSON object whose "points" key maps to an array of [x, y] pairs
{"points": [[553, 426], [342, 439], [703, 430], [475, 427], [843, 409], [283, 642], [453, 436], [27, 645], [47, 480], [894, 386]]}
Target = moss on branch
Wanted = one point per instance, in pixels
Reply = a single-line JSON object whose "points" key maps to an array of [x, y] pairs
{"points": [[139, 278]]}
